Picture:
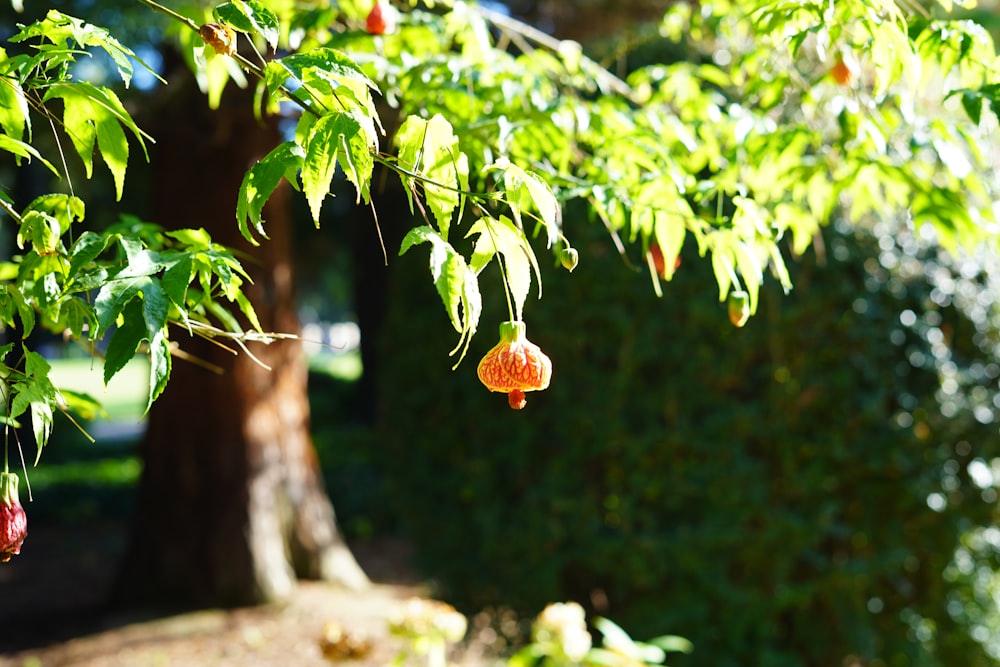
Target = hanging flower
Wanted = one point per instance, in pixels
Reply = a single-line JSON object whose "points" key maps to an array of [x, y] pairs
{"points": [[515, 365], [13, 521]]}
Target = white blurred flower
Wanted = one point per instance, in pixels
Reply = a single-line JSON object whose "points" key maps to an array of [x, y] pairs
{"points": [[563, 625]]}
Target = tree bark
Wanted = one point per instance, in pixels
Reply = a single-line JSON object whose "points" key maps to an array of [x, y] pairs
{"points": [[231, 505]]}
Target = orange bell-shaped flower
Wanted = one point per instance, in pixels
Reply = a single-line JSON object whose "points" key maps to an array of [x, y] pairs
{"points": [[515, 365]]}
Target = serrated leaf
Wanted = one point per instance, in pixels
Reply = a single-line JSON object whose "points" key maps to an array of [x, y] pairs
{"points": [[155, 306], [193, 238], [246, 307], [251, 17], [160, 363], [18, 148], [64, 30], [112, 299], [92, 115], [524, 187], [177, 278], [430, 149], [327, 139], [504, 237], [449, 273], [12, 302], [41, 425], [14, 116], [76, 316], [259, 183], [42, 396], [86, 249], [332, 62], [125, 340]]}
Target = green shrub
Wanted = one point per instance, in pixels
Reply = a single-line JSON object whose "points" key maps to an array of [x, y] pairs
{"points": [[762, 491]]}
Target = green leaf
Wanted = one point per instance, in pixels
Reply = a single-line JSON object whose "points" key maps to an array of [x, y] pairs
{"points": [[429, 148], [113, 297], [86, 249], [12, 302], [155, 307], [246, 307], [177, 278], [64, 30], [76, 315], [504, 237], [673, 643], [95, 114], [251, 17], [43, 396], [456, 282], [20, 149], [331, 62], [125, 340], [526, 188], [14, 117], [259, 183], [328, 136], [83, 404], [159, 366]]}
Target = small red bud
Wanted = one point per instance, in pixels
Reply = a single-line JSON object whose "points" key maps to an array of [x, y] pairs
{"points": [[376, 23], [842, 72]]}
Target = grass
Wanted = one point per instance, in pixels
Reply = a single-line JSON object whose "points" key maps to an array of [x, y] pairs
{"points": [[78, 479], [125, 396]]}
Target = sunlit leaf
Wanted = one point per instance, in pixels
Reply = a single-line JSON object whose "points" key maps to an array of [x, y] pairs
{"points": [[259, 183], [504, 237], [250, 16]]}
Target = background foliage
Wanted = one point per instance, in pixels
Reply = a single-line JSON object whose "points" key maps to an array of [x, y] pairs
{"points": [[815, 486], [761, 491]]}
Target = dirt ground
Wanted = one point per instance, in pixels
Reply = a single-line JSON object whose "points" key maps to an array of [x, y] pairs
{"points": [[51, 614]]}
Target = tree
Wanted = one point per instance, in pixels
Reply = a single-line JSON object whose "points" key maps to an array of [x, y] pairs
{"points": [[242, 459], [746, 146]]}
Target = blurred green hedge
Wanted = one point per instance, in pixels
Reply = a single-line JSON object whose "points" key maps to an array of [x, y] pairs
{"points": [[762, 491]]}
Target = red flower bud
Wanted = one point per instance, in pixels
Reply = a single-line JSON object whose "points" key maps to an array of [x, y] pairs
{"points": [[515, 365], [13, 521], [379, 20]]}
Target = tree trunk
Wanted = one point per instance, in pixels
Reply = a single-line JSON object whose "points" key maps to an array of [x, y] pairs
{"points": [[231, 504]]}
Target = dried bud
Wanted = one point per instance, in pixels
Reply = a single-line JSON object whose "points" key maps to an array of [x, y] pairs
{"points": [[515, 365], [219, 37], [13, 520]]}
